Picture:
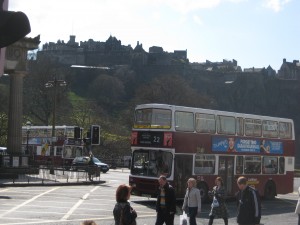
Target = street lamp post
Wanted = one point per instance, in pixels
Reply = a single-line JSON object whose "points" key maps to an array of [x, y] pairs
{"points": [[54, 84], [28, 126]]}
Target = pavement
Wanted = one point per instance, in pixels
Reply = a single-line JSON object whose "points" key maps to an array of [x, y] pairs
{"points": [[58, 178]]}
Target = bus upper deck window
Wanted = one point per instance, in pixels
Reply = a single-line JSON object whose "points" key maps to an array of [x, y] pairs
{"points": [[205, 123], [285, 130], [184, 121], [270, 128]]}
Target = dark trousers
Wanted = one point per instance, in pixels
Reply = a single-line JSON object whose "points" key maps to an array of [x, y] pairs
{"points": [[164, 216], [211, 220], [193, 213], [298, 219]]}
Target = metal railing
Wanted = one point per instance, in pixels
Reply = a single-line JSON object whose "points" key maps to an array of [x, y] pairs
{"points": [[53, 175]]}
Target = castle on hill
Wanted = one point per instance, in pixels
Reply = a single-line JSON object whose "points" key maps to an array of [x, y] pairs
{"points": [[112, 53]]}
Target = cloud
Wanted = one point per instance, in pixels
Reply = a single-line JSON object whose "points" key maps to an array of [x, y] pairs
{"points": [[275, 5], [197, 20], [186, 6]]}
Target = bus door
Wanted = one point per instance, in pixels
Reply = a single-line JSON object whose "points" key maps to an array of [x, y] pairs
{"points": [[182, 172], [226, 169]]}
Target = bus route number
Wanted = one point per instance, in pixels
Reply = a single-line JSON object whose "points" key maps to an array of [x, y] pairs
{"points": [[156, 139], [150, 138]]}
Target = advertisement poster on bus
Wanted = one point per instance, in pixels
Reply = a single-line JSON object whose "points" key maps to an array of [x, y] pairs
{"points": [[232, 144]]}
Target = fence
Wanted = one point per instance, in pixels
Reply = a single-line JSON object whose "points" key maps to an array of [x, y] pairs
{"points": [[53, 175]]}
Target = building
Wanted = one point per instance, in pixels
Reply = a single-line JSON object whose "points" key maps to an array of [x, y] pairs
{"points": [[108, 53], [225, 66], [289, 70]]}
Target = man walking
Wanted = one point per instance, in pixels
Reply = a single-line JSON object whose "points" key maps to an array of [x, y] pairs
{"points": [[166, 203], [248, 202]]}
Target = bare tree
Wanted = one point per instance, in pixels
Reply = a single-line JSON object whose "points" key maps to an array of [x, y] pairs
{"points": [[38, 100], [170, 89]]}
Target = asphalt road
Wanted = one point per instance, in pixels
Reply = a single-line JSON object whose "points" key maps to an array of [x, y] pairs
{"points": [[70, 205]]}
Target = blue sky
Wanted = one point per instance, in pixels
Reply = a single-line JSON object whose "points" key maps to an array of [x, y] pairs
{"points": [[256, 33]]}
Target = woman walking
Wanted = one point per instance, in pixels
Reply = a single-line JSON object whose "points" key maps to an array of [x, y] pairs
{"points": [[192, 201], [218, 207], [124, 214]]}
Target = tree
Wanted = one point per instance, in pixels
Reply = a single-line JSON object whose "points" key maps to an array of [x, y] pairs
{"points": [[4, 96], [38, 100], [170, 89], [107, 90]]}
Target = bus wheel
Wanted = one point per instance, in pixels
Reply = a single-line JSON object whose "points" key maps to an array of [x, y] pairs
{"points": [[203, 191], [270, 190]]}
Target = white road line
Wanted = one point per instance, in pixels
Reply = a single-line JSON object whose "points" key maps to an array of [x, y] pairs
{"points": [[70, 212], [28, 201], [4, 190]]}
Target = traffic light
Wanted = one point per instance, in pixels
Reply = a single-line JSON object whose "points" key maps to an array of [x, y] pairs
{"points": [[95, 135], [77, 132]]}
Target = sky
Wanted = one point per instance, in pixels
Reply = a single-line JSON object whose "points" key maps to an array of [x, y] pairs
{"points": [[256, 33]]}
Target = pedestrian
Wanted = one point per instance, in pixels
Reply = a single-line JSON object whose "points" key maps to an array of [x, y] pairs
{"points": [[219, 210], [166, 203], [192, 201], [88, 222], [297, 210], [248, 202], [124, 214], [91, 167]]}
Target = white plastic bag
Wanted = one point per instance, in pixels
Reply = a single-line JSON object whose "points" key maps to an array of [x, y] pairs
{"points": [[183, 219], [215, 203]]}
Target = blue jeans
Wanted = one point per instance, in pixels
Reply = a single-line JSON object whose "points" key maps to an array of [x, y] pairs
{"points": [[193, 213]]}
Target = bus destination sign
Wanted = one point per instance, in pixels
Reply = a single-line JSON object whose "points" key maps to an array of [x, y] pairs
{"points": [[150, 138]]}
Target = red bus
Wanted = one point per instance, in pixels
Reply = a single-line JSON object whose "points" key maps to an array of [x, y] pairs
{"points": [[37, 144], [183, 142]]}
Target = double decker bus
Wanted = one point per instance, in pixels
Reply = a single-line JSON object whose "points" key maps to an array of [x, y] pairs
{"points": [[37, 144], [182, 142]]}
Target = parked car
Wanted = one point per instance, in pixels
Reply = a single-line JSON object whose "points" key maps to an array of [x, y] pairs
{"points": [[83, 162]]}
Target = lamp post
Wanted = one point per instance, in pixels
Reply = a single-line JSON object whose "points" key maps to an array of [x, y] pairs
{"points": [[28, 126], [54, 84]]}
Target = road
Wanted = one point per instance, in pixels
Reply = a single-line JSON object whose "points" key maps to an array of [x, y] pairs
{"points": [[70, 205]]}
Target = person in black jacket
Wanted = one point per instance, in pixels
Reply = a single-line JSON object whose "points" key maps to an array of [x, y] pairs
{"points": [[124, 214], [166, 203], [248, 202]]}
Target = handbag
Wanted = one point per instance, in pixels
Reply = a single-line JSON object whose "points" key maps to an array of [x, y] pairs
{"points": [[215, 203], [183, 219]]}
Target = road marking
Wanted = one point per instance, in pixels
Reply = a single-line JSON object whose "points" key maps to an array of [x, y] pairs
{"points": [[4, 190], [28, 201], [70, 212], [290, 201]]}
